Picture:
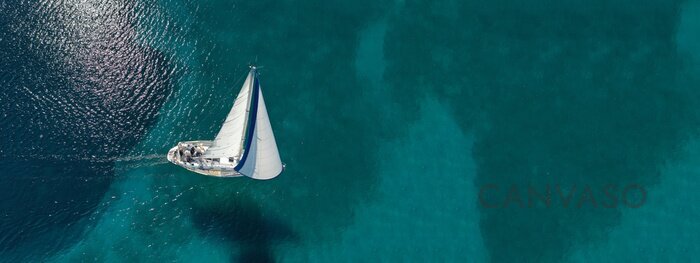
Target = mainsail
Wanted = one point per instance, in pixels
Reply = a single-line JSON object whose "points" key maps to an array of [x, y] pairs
{"points": [[229, 140], [247, 135]]}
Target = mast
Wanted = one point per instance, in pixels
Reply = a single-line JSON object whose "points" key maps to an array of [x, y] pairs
{"points": [[249, 128], [254, 73]]}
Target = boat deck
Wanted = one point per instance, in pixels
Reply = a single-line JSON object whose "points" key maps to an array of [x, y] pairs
{"points": [[201, 165]]}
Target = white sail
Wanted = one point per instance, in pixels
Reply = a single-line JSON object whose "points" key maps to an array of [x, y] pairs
{"points": [[263, 159], [228, 141]]}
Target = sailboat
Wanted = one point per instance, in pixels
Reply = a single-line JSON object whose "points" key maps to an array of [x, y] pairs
{"points": [[244, 146]]}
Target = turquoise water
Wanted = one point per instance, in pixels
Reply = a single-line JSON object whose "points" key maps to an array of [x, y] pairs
{"points": [[390, 115]]}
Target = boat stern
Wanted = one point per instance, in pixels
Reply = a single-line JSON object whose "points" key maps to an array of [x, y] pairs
{"points": [[171, 155]]}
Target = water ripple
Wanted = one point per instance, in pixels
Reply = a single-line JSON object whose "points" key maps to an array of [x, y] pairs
{"points": [[79, 88]]}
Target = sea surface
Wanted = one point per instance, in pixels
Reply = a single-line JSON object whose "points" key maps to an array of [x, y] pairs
{"points": [[394, 119]]}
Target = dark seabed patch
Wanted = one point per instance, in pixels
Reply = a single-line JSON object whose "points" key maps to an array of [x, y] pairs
{"points": [[569, 93], [78, 90], [240, 221]]}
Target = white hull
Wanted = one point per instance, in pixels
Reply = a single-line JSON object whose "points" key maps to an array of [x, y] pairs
{"points": [[201, 165]]}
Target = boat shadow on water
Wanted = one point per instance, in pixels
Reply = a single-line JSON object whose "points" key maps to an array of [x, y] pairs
{"points": [[242, 223]]}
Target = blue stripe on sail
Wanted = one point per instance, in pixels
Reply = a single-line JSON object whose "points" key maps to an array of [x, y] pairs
{"points": [[251, 126], [248, 168]]}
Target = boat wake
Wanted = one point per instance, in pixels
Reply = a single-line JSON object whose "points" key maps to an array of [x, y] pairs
{"points": [[139, 161], [118, 163], [89, 158]]}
